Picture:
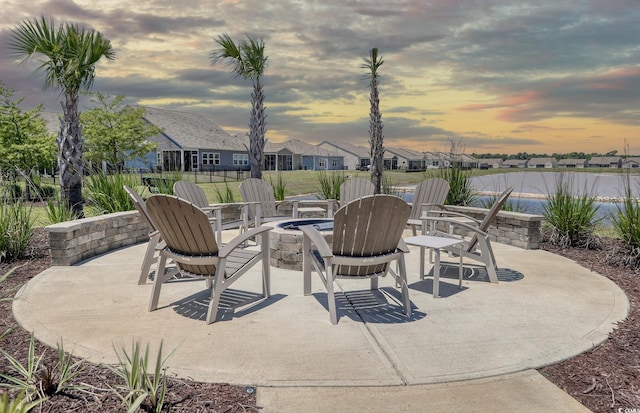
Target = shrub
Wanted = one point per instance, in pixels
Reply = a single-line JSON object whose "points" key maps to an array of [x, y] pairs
{"points": [[460, 190], [224, 196], [10, 191], [58, 211], [572, 218], [107, 194], [330, 184], [626, 223], [279, 187], [16, 227], [141, 384]]}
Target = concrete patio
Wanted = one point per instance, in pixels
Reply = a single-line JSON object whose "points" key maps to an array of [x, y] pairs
{"points": [[473, 349]]}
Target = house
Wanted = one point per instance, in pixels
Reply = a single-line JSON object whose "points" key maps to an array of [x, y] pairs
{"points": [[490, 163], [434, 160], [192, 142], [605, 162], [514, 163], [355, 157], [572, 163], [407, 158], [461, 160], [546, 163], [296, 154], [631, 163]]}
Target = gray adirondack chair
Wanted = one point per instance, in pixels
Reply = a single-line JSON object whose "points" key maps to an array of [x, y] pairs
{"points": [[355, 188], [191, 244], [430, 195], [478, 246], [366, 240]]}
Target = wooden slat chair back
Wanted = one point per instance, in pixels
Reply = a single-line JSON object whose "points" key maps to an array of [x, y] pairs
{"points": [[155, 243], [258, 190], [366, 240], [489, 218], [430, 192], [191, 192], [191, 243], [368, 226], [355, 188]]}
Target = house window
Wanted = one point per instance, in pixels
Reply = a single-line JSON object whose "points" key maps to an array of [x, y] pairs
{"points": [[334, 163], [240, 159], [435, 163], [322, 162], [210, 158]]}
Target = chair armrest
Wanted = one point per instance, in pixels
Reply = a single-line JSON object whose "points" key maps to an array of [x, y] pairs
{"points": [[240, 239], [458, 224], [449, 214], [316, 238], [402, 246]]}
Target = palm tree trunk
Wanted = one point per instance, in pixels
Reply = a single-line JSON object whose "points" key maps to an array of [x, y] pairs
{"points": [[375, 131], [70, 160], [257, 130]]}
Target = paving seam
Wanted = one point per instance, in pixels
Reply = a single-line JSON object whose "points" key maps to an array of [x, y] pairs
{"points": [[377, 340]]}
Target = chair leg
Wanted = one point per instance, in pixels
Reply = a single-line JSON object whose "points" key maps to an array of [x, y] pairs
{"points": [[148, 259], [306, 265], [157, 282], [331, 299], [266, 266], [405, 288], [216, 293]]}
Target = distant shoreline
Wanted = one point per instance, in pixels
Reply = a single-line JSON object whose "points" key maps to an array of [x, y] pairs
{"points": [[602, 199]]}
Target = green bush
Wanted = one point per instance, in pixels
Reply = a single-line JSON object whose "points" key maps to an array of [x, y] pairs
{"points": [[626, 220], [330, 184], [58, 211], [224, 196], [11, 191], [279, 187], [107, 194], [16, 227], [572, 218], [460, 190]]}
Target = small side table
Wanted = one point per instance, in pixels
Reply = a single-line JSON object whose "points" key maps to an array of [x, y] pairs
{"points": [[434, 244]]}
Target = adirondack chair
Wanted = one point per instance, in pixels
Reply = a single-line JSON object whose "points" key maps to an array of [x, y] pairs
{"points": [[478, 247], [193, 193], [155, 244], [191, 244], [366, 239], [262, 205], [430, 195], [355, 188]]}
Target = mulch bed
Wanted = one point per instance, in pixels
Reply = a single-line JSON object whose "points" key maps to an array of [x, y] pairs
{"points": [[604, 379], [182, 395]]}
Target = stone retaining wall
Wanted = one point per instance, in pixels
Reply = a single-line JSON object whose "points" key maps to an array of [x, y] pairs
{"points": [[77, 240], [81, 239], [511, 228]]}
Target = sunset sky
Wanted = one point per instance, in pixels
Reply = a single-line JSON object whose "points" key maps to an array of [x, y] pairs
{"points": [[501, 76]]}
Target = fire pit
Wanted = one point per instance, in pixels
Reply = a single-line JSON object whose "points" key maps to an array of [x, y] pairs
{"points": [[285, 240]]}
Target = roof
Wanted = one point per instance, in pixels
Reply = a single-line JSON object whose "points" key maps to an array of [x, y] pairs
{"points": [[192, 131], [490, 161], [299, 147], [539, 161], [406, 153], [359, 151], [604, 160], [632, 160], [515, 162], [571, 161]]}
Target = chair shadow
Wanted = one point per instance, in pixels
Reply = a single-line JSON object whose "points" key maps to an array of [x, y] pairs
{"points": [[233, 303], [381, 306]]}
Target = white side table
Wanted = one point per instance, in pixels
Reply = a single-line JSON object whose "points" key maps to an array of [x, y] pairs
{"points": [[434, 244]]}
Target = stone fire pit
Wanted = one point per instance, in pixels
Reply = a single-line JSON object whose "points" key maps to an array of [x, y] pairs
{"points": [[285, 241]]}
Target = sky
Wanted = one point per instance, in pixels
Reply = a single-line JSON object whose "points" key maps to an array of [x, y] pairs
{"points": [[499, 76]]}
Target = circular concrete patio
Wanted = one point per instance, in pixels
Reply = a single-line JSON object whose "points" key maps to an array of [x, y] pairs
{"points": [[546, 308]]}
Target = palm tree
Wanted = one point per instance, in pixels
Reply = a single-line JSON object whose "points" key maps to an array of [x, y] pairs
{"points": [[376, 139], [247, 60], [71, 53]]}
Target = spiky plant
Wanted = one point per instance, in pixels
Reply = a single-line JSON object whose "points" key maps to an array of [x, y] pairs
{"points": [[71, 53], [376, 138], [248, 61]]}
